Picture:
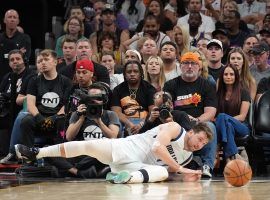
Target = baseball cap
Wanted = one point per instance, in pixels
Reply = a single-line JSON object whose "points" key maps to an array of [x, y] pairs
{"points": [[214, 42], [220, 31], [108, 8], [190, 56], [85, 64], [259, 48]]}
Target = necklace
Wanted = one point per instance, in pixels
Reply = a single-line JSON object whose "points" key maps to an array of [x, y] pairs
{"points": [[132, 93]]}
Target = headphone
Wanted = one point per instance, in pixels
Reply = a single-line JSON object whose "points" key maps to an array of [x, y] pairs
{"points": [[104, 90]]}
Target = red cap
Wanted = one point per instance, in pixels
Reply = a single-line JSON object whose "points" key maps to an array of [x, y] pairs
{"points": [[85, 64]]}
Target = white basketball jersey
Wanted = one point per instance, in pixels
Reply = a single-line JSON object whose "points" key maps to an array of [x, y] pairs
{"points": [[144, 142]]}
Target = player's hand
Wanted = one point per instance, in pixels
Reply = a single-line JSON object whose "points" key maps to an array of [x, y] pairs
{"points": [[184, 170], [191, 177]]}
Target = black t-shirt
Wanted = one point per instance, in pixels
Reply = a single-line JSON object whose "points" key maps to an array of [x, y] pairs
{"points": [[134, 108], [244, 97], [100, 72], [191, 97], [264, 85], [215, 72], [18, 41], [90, 130], [51, 95]]}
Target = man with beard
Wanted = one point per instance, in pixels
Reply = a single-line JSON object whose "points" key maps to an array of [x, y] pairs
{"points": [[207, 25], [231, 24], [248, 45], [150, 29], [84, 51], [108, 19], [197, 97], [11, 85], [133, 99], [168, 54], [194, 21], [222, 35], [214, 56]]}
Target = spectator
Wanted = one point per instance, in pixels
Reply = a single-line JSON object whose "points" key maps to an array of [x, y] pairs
{"points": [[69, 52], [233, 107], [202, 45], [47, 95], [214, 56], [74, 28], [10, 158], [194, 22], [223, 36], [133, 10], [131, 55], [156, 8], [11, 39], [108, 60], [181, 39], [261, 69], [150, 29], [263, 87], [248, 45], [194, 95], [203, 72], [107, 17], [154, 72], [231, 23], [265, 35], [238, 59], [149, 48], [168, 53], [84, 51], [207, 26], [130, 101]]}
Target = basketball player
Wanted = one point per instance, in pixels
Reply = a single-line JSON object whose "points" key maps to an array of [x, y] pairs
{"points": [[148, 157]]}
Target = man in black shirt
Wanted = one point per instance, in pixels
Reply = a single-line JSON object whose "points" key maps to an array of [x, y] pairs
{"points": [[12, 39], [195, 96], [84, 51], [46, 98]]}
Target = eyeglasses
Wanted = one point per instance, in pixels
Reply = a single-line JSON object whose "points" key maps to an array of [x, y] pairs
{"points": [[187, 63], [74, 24]]}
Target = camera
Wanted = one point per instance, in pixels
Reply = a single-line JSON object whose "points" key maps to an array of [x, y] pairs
{"points": [[93, 109], [164, 111]]}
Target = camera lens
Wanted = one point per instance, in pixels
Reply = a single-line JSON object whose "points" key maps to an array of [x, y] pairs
{"points": [[164, 114]]}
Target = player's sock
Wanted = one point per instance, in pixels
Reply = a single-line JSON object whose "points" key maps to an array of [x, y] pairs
{"points": [[149, 174], [51, 151]]}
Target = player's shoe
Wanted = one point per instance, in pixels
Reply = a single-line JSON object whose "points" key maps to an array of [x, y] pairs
{"points": [[206, 171], [121, 177], [24, 152]]}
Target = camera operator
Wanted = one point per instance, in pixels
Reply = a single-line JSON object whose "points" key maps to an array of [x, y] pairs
{"points": [[90, 121], [163, 112]]}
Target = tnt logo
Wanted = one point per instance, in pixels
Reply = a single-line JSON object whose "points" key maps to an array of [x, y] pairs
{"points": [[92, 132], [50, 99]]}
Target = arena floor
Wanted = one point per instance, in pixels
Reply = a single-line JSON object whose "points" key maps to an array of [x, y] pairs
{"points": [[12, 187]]}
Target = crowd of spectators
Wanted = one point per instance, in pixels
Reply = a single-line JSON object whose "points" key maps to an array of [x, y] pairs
{"points": [[121, 64]]}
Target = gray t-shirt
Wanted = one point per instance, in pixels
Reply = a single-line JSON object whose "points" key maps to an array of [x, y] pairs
{"points": [[90, 130], [258, 75]]}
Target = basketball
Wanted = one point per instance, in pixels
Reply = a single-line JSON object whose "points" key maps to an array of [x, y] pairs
{"points": [[237, 173]]}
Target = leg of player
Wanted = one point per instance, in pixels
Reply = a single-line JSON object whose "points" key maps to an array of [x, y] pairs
{"points": [[99, 149], [148, 174]]}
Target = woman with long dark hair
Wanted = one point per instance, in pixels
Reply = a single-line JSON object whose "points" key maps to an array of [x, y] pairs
{"points": [[233, 106]]}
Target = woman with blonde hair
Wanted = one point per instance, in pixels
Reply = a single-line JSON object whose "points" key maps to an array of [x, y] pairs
{"points": [[73, 28], [237, 58], [204, 67], [154, 72], [181, 38]]}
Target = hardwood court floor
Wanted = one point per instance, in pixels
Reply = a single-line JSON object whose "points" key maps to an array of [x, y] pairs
{"points": [[70, 189]]}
